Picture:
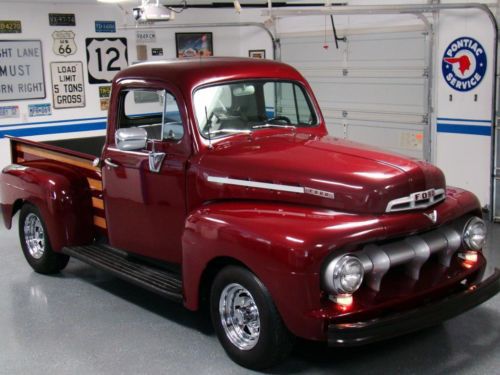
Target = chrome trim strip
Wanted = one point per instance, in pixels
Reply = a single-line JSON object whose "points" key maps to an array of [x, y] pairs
{"points": [[255, 184], [412, 202], [14, 167]]}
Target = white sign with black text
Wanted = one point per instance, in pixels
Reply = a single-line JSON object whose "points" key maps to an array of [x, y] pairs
{"points": [[145, 36], [105, 58], [67, 84], [21, 70], [64, 43]]}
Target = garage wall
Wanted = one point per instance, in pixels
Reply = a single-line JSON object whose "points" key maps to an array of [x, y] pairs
{"points": [[91, 119], [463, 118]]}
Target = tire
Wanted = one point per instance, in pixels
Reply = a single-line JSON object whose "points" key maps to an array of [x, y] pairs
{"points": [[36, 244], [255, 337]]}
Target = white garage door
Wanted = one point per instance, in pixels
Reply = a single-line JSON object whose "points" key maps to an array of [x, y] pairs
{"points": [[373, 89]]}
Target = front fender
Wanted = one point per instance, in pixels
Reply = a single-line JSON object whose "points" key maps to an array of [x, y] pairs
{"points": [[286, 245], [61, 194], [283, 245]]}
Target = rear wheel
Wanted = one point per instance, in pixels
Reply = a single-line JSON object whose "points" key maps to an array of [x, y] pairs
{"points": [[36, 244], [246, 320]]}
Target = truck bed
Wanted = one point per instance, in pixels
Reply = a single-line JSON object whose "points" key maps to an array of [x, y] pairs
{"points": [[91, 146], [77, 154]]}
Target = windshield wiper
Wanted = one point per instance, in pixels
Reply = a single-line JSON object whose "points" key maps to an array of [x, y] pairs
{"points": [[273, 126]]}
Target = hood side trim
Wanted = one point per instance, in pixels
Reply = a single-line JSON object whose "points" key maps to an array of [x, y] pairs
{"points": [[255, 184]]}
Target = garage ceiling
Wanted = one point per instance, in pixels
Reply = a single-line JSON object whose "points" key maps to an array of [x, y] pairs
{"points": [[166, 2]]}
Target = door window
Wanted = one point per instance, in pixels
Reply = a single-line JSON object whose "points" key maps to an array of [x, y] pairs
{"points": [[156, 111]]}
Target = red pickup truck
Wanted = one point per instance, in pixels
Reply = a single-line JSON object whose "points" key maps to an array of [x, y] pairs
{"points": [[218, 185]]}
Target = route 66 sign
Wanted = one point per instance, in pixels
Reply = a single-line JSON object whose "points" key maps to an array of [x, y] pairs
{"points": [[105, 57], [64, 43]]}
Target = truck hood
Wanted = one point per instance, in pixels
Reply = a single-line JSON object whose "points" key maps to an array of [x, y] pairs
{"points": [[313, 170]]}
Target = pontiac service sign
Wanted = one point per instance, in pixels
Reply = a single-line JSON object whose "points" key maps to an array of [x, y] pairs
{"points": [[464, 64], [21, 70]]}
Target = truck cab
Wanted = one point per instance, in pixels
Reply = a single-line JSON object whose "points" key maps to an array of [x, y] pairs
{"points": [[218, 185]]}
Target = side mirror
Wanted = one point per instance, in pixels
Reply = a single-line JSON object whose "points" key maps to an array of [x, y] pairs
{"points": [[131, 139]]}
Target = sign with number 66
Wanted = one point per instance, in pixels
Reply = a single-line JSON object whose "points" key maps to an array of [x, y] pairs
{"points": [[105, 57], [64, 43]]}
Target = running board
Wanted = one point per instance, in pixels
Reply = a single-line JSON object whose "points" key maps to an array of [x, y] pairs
{"points": [[116, 262]]}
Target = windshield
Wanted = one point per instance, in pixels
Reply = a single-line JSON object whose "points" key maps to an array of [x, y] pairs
{"points": [[243, 107]]}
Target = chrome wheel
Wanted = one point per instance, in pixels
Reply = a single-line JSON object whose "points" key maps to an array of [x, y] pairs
{"points": [[34, 236], [239, 316]]}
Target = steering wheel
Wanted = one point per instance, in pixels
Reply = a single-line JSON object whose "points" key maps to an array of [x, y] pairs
{"points": [[278, 119]]}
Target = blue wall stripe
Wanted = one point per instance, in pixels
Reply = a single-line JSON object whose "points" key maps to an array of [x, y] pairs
{"points": [[463, 119], [464, 129], [26, 132], [54, 122]]}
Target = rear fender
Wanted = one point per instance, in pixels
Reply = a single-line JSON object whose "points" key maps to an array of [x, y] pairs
{"points": [[61, 194]]}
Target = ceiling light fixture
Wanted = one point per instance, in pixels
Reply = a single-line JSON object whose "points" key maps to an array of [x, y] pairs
{"points": [[111, 1], [237, 6]]}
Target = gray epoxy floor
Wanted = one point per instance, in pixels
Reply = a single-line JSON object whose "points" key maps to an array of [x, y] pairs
{"points": [[87, 322]]}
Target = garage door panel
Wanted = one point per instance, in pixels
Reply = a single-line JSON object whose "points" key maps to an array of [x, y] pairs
{"points": [[372, 89], [371, 93], [368, 48], [410, 111], [405, 140]]}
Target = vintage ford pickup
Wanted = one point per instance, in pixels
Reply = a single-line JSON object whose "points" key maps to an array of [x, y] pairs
{"points": [[218, 185]]}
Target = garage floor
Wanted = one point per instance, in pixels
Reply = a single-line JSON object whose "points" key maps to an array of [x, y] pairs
{"points": [[87, 322]]}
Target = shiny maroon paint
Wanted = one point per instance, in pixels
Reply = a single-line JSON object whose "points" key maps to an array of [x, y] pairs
{"points": [[59, 191], [284, 238], [153, 203]]}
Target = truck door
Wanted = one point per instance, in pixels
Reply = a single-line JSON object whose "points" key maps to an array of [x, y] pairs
{"points": [[145, 209]]}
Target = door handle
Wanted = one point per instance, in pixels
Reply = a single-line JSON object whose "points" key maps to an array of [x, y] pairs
{"points": [[109, 163]]}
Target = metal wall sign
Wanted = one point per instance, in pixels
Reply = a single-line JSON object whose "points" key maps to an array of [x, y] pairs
{"points": [[146, 36], [68, 89], [10, 27], [464, 64], [21, 70], [104, 94], [156, 51], [64, 43], [104, 91], [105, 26], [105, 57], [36, 110], [62, 19], [9, 111]]}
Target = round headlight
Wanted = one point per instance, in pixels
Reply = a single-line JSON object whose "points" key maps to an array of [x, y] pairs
{"points": [[344, 275], [474, 235]]}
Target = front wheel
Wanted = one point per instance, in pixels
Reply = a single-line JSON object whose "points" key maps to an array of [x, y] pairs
{"points": [[36, 244], [246, 320]]}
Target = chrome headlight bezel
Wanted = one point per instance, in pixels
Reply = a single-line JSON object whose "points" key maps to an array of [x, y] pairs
{"points": [[335, 272], [475, 227]]}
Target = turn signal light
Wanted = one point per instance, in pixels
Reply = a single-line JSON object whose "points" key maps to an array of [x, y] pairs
{"points": [[343, 301], [469, 258]]}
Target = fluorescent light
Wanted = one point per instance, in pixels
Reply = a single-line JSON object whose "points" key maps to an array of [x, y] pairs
{"points": [[111, 1]]}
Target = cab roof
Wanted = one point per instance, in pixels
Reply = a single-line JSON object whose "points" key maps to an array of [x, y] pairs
{"points": [[187, 74]]}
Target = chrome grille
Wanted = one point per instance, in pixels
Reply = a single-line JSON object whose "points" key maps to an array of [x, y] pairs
{"points": [[412, 252]]}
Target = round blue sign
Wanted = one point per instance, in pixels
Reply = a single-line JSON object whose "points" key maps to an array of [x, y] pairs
{"points": [[464, 64]]}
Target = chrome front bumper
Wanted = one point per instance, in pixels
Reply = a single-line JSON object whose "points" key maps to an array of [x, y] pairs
{"points": [[360, 333]]}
